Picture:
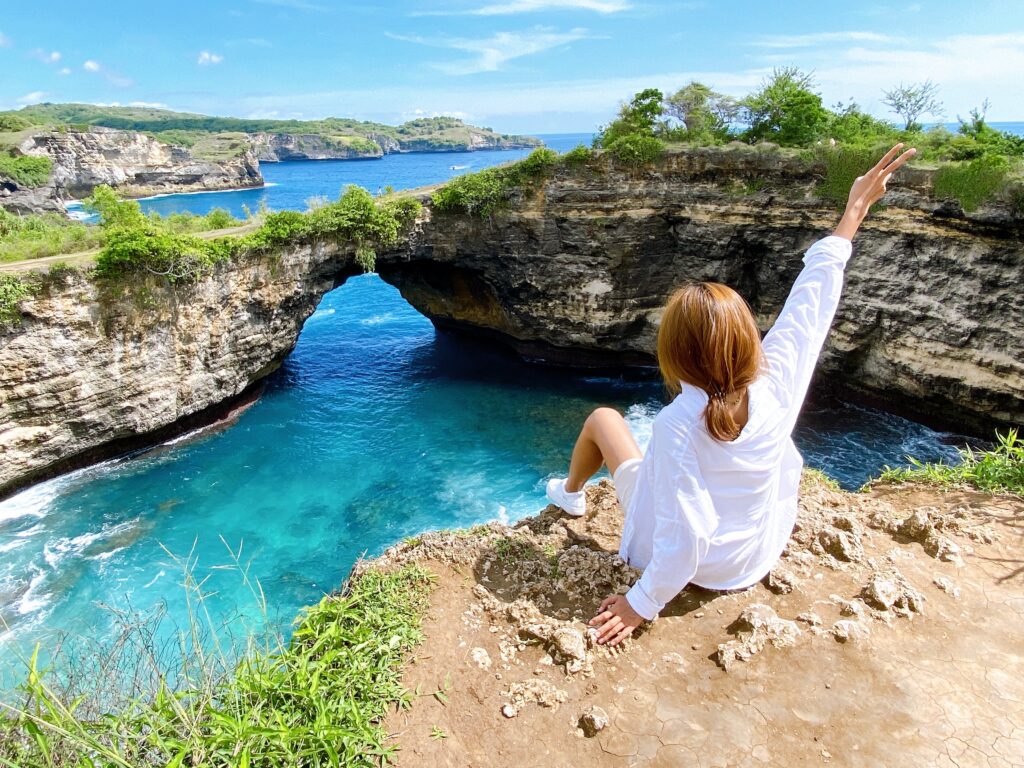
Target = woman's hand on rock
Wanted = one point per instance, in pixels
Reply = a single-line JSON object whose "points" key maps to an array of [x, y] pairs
{"points": [[869, 188], [615, 620]]}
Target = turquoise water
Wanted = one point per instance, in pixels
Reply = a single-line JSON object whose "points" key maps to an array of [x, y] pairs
{"points": [[375, 428]]}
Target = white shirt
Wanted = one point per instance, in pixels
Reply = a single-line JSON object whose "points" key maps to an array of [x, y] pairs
{"points": [[719, 514]]}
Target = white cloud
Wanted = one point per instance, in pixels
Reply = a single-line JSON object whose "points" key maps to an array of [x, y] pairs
{"points": [[489, 54], [91, 65], [64, 71], [47, 57], [32, 98], [533, 6], [820, 38], [207, 59], [863, 70]]}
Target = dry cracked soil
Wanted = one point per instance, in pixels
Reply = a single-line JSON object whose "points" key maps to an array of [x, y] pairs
{"points": [[890, 634]]}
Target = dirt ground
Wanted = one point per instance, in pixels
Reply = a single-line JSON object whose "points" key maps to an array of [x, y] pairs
{"points": [[890, 635]]}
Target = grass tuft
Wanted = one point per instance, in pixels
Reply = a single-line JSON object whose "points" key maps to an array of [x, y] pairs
{"points": [[999, 470], [316, 700]]}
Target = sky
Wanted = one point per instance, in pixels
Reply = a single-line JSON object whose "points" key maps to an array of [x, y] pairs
{"points": [[526, 66]]}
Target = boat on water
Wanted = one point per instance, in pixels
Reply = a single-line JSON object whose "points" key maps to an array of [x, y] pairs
{"points": [[457, 167]]}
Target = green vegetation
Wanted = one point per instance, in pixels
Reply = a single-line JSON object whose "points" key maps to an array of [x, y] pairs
{"points": [[485, 192], [44, 234], [25, 170], [12, 290], [134, 243], [316, 700], [578, 156], [972, 182], [976, 164], [1000, 469]]}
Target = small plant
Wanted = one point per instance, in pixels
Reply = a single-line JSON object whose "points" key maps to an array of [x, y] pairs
{"points": [[12, 290], [1000, 469], [437, 734], [485, 192]]}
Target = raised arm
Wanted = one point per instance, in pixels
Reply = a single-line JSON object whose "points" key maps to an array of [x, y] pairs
{"points": [[793, 344]]}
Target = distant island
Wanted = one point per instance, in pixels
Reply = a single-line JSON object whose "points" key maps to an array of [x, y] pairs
{"points": [[50, 153]]}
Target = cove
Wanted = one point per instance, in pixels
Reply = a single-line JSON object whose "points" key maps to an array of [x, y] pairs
{"points": [[377, 427]]}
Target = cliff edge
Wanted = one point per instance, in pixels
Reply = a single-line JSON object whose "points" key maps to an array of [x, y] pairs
{"points": [[887, 634]]}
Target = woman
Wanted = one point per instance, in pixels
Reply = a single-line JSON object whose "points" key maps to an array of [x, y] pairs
{"points": [[713, 500]]}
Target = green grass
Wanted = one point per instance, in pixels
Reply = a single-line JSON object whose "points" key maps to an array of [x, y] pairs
{"points": [[316, 700], [972, 183], [485, 192], [999, 470], [26, 170], [842, 167], [44, 234]]}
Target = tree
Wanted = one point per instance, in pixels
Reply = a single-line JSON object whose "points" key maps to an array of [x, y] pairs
{"points": [[637, 118], [113, 211], [702, 111], [912, 101], [785, 109]]}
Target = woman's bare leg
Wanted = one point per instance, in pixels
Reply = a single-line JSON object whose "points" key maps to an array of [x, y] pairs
{"points": [[604, 439]]}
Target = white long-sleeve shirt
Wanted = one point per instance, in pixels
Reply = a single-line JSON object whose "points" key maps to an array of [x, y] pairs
{"points": [[716, 513]]}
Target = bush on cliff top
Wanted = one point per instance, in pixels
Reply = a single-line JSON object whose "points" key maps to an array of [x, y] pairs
{"points": [[26, 170], [485, 192], [137, 243], [317, 700], [12, 291]]}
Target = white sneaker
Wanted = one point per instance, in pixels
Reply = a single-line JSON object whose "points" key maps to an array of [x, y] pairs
{"points": [[574, 504]]}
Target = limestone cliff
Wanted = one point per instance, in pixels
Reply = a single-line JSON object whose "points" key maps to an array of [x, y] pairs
{"points": [[98, 368], [275, 147], [576, 271], [133, 163]]}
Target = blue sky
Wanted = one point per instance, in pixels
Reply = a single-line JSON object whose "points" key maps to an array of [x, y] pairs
{"points": [[514, 65]]}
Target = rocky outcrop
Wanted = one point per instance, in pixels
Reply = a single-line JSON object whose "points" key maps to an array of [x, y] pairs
{"points": [[133, 163], [576, 271], [276, 147], [99, 368]]}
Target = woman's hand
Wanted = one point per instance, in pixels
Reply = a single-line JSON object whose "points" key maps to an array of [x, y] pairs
{"points": [[617, 619], [869, 188]]}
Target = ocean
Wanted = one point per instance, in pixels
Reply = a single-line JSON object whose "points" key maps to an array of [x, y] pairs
{"points": [[376, 427]]}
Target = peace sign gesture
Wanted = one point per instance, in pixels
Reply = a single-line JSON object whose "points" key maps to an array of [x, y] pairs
{"points": [[869, 188]]}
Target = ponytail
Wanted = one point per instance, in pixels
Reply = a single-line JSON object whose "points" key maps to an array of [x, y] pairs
{"points": [[708, 339]]}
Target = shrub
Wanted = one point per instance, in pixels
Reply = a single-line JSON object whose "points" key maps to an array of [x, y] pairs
{"points": [[13, 123], [842, 166], [44, 234], [972, 183], [484, 192], [12, 291], [219, 218], [635, 150], [785, 110], [26, 170], [143, 248], [112, 210], [578, 156]]}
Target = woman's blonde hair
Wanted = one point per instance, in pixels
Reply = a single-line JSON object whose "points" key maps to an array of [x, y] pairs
{"points": [[708, 339]]}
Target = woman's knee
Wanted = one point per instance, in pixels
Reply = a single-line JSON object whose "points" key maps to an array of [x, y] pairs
{"points": [[603, 416]]}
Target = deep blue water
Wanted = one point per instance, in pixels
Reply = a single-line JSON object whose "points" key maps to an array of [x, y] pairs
{"points": [[375, 428]]}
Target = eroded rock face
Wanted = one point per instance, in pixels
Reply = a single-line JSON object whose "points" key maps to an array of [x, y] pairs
{"points": [[275, 147], [134, 163], [95, 369], [576, 272]]}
